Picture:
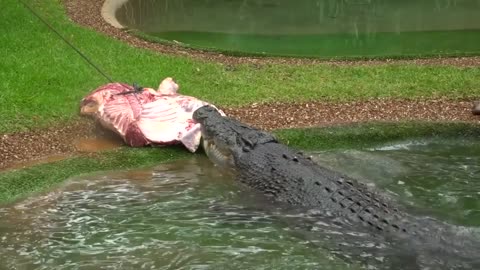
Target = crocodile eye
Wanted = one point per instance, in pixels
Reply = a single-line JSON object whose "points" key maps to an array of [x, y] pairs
{"points": [[247, 141]]}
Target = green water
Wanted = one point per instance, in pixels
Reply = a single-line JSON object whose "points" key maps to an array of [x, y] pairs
{"points": [[312, 28], [188, 215], [441, 177]]}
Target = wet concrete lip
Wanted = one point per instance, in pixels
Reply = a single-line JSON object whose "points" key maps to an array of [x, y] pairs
{"points": [[109, 8]]}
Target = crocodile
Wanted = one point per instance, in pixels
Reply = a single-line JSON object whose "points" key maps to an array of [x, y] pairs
{"points": [[258, 160]]}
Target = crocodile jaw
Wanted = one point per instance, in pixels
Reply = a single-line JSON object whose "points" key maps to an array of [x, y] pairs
{"points": [[217, 155]]}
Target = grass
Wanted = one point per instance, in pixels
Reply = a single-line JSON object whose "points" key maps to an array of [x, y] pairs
{"points": [[16, 184], [42, 80]]}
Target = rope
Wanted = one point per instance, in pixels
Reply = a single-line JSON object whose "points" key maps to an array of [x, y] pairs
{"points": [[66, 41]]}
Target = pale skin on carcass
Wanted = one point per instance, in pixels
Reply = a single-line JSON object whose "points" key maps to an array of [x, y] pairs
{"points": [[168, 87], [150, 117]]}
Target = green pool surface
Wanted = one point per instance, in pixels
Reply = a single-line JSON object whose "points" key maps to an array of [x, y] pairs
{"points": [[308, 28], [407, 44]]}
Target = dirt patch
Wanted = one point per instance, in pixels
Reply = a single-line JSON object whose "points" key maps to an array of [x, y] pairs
{"points": [[84, 136], [88, 13]]}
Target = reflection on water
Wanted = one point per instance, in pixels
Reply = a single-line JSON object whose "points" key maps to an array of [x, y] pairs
{"points": [[324, 28], [188, 215]]}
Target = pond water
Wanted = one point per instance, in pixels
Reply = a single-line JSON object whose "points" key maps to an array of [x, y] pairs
{"points": [[189, 215], [313, 28]]}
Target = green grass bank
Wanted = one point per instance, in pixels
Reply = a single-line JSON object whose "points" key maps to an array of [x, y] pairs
{"points": [[16, 184], [43, 80]]}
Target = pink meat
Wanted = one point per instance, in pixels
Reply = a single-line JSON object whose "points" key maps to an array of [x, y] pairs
{"points": [[161, 117]]}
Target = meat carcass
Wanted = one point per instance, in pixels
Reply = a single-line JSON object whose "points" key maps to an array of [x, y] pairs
{"points": [[147, 116]]}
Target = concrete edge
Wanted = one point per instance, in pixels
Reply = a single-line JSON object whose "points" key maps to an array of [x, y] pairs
{"points": [[109, 8]]}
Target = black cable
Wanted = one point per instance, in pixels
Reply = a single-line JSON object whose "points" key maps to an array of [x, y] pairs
{"points": [[136, 89], [66, 41]]}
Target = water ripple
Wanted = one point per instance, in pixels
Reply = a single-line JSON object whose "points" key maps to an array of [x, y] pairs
{"points": [[188, 215]]}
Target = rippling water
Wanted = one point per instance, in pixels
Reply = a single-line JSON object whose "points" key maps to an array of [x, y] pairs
{"points": [[183, 215], [188, 215], [441, 177]]}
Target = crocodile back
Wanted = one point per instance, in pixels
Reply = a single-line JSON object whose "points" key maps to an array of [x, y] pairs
{"points": [[288, 176]]}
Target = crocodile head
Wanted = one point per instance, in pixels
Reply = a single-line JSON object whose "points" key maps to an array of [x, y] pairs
{"points": [[225, 140]]}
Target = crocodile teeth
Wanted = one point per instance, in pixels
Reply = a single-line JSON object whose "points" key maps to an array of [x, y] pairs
{"points": [[216, 155]]}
